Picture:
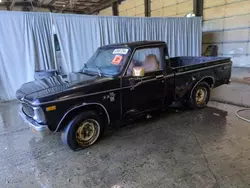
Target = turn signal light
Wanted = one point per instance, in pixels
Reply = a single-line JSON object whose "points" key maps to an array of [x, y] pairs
{"points": [[50, 108]]}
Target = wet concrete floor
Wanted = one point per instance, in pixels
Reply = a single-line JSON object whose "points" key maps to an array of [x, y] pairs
{"points": [[180, 148]]}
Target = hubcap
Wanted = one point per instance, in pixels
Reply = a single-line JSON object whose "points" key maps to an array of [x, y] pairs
{"points": [[88, 132], [201, 96]]}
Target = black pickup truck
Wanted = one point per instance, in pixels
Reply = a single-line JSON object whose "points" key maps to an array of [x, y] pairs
{"points": [[119, 82]]}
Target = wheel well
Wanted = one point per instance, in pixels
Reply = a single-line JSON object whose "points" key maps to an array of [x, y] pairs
{"points": [[93, 107], [210, 81]]}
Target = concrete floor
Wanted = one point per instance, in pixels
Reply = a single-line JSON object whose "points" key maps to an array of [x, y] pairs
{"points": [[235, 93], [206, 148], [241, 75]]}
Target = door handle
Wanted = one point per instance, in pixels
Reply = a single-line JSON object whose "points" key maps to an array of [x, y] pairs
{"points": [[159, 76]]}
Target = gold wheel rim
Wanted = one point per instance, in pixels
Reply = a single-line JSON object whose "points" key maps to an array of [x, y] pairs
{"points": [[201, 95], [88, 132]]}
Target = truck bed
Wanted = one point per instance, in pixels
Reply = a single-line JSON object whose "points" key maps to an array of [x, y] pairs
{"points": [[180, 64]]}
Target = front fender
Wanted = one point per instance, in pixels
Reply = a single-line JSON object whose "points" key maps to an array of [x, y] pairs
{"points": [[76, 109]]}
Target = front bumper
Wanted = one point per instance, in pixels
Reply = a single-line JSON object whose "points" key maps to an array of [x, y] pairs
{"points": [[36, 127]]}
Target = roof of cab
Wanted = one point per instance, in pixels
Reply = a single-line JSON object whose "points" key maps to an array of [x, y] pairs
{"points": [[135, 44]]}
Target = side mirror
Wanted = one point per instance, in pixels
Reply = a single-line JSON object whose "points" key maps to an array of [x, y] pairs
{"points": [[138, 72]]}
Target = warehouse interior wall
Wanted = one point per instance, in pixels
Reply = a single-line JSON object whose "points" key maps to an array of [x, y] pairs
{"points": [[106, 12], [171, 8], [132, 8], [226, 24], [126, 8], [159, 8]]}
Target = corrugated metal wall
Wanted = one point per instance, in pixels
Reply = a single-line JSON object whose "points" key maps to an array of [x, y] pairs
{"points": [[132, 8], [106, 12], [171, 8], [159, 8], [127, 8], [226, 23]]}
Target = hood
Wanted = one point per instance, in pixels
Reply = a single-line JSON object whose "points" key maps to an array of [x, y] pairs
{"points": [[55, 85]]}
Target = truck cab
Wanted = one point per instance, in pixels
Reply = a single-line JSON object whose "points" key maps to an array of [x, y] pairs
{"points": [[119, 82]]}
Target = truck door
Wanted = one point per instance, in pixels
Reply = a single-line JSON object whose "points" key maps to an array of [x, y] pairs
{"points": [[140, 94]]}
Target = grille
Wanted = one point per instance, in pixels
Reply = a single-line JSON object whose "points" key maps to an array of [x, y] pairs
{"points": [[28, 110]]}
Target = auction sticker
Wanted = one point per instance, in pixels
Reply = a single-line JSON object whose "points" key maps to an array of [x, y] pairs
{"points": [[117, 60], [120, 51]]}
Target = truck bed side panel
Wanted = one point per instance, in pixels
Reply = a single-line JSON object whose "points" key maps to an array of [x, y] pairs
{"points": [[185, 79], [191, 62]]}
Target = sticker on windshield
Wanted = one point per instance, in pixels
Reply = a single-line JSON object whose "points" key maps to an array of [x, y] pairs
{"points": [[117, 60], [120, 51]]}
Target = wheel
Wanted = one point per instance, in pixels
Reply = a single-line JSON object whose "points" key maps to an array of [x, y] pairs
{"points": [[83, 131], [200, 96]]}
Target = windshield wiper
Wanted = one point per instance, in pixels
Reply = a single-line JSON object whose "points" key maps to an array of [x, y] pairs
{"points": [[99, 70]]}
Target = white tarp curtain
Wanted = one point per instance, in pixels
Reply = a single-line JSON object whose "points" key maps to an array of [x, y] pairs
{"points": [[25, 46], [80, 35], [26, 41]]}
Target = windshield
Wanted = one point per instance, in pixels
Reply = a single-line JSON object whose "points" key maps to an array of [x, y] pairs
{"points": [[107, 61]]}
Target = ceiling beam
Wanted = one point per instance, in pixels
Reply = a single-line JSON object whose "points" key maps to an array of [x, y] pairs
{"points": [[88, 9], [90, 2], [12, 5], [27, 4], [74, 8], [52, 2], [83, 8], [103, 4], [66, 6]]}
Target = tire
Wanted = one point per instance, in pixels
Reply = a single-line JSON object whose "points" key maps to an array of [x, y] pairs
{"points": [[83, 131], [200, 96]]}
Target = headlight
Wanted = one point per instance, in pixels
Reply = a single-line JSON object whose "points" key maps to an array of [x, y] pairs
{"points": [[34, 112], [38, 115]]}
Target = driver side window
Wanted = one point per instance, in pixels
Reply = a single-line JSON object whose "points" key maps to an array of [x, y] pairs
{"points": [[148, 58]]}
